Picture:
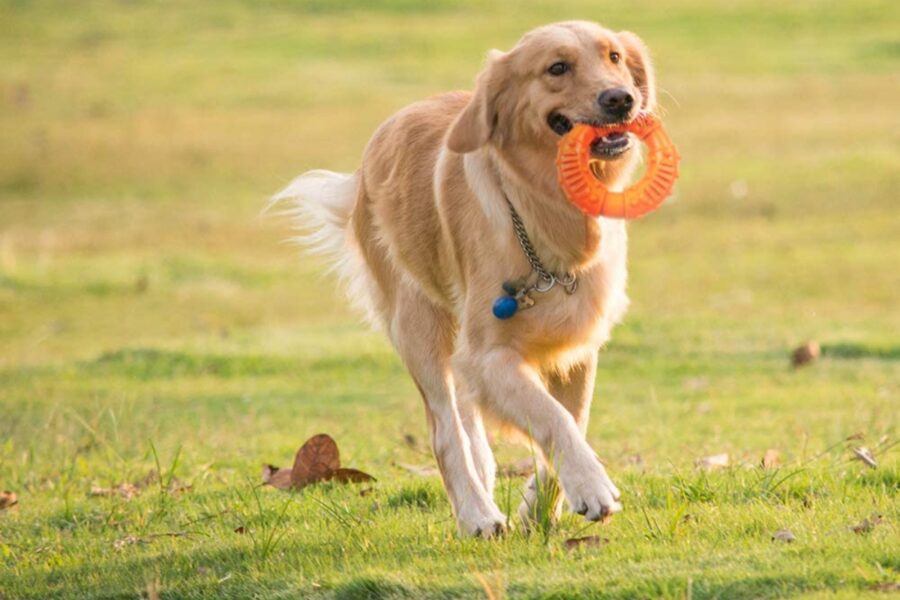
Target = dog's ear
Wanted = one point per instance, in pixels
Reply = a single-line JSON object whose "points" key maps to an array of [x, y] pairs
{"points": [[637, 59], [476, 123]]}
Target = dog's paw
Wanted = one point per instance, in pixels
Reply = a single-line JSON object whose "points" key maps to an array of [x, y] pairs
{"points": [[590, 491], [487, 525]]}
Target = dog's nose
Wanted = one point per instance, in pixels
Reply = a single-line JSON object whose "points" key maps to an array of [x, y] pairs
{"points": [[616, 102]]}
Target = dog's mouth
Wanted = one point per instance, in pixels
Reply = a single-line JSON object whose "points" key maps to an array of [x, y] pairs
{"points": [[608, 147]]}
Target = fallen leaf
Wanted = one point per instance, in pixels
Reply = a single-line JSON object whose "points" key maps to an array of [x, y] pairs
{"points": [[277, 477], [867, 524], [783, 535], [635, 459], [888, 586], [805, 354], [8, 499], [316, 460], [242, 530], [176, 486], [128, 490], [715, 461], [127, 541], [520, 468], [141, 284], [350, 476], [133, 539], [864, 454], [125, 490], [771, 458], [591, 541]]}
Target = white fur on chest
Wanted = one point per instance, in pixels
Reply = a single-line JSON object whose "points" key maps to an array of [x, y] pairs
{"points": [[560, 324]]}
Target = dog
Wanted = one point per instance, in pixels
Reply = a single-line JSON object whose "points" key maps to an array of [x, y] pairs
{"points": [[436, 223]]}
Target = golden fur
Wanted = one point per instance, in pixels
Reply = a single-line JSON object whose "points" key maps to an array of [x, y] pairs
{"points": [[426, 238]]}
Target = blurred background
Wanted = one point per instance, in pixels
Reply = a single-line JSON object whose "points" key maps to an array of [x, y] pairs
{"points": [[143, 297], [140, 140]]}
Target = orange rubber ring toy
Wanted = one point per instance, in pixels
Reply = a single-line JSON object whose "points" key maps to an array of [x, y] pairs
{"points": [[576, 170]]}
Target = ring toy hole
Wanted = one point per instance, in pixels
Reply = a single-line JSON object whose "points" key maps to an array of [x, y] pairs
{"points": [[578, 176]]}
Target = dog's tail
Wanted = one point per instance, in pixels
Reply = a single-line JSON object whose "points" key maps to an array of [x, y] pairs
{"points": [[320, 204]]}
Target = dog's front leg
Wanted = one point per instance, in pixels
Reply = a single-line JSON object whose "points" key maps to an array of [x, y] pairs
{"points": [[467, 396], [476, 513], [574, 390], [516, 393], [422, 334]]}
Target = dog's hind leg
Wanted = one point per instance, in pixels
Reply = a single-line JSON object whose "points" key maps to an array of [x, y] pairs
{"points": [[467, 397], [423, 335]]}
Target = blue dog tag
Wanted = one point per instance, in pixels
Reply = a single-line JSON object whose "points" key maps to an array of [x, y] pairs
{"points": [[505, 307]]}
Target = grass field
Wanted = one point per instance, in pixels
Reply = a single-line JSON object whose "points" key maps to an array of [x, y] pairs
{"points": [[150, 320]]}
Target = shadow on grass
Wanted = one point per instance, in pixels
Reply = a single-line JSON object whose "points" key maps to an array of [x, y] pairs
{"points": [[148, 363], [858, 351], [372, 588], [235, 572], [764, 587]]}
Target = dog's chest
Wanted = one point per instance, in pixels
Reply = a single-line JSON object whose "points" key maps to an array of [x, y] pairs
{"points": [[559, 322]]}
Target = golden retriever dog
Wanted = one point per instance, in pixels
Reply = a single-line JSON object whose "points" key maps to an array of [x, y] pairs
{"points": [[434, 225]]}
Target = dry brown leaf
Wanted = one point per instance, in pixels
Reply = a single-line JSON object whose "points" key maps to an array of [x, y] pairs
{"points": [[591, 541], [771, 458], [316, 460], [350, 476], [128, 490], [867, 524], [125, 490], [8, 499], [864, 454], [127, 541], [520, 468], [783, 535], [242, 530], [276, 477], [715, 461], [805, 354]]}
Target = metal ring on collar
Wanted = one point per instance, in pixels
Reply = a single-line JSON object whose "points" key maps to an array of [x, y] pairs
{"points": [[551, 281]]}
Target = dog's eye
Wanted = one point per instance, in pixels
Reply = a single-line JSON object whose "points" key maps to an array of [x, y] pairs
{"points": [[557, 69], [614, 57]]}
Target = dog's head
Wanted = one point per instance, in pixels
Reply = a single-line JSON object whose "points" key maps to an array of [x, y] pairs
{"points": [[574, 71]]}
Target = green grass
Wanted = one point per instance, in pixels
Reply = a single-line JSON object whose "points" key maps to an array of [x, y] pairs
{"points": [[150, 320]]}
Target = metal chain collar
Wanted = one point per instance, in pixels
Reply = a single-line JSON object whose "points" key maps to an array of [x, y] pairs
{"points": [[546, 280]]}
